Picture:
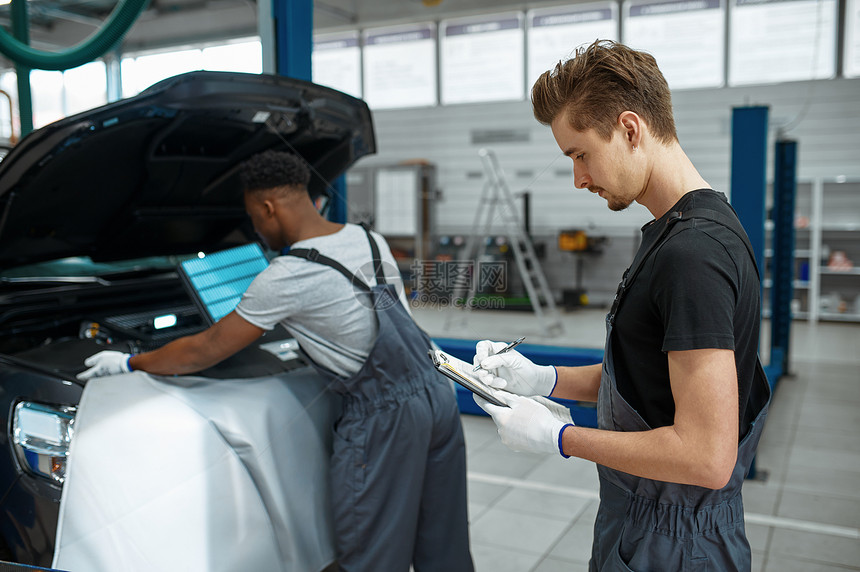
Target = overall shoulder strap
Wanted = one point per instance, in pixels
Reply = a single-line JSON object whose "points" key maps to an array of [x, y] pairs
{"points": [[721, 218], [374, 251], [633, 270], [313, 255]]}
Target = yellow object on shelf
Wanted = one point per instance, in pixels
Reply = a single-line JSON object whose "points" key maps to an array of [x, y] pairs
{"points": [[572, 240]]}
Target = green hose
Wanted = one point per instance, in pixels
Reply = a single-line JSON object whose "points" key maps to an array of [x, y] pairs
{"points": [[21, 29], [93, 47]]}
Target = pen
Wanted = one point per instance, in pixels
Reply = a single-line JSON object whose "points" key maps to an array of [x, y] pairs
{"points": [[508, 347]]}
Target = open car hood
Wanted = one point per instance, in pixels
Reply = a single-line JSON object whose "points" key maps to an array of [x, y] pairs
{"points": [[157, 174]]}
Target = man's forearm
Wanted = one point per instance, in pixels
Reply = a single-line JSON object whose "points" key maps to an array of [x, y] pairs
{"points": [[661, 454], [179, 357], [200, 351], [578, 383]]}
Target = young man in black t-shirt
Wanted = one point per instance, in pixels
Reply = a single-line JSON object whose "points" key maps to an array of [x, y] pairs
{"points": [[680, 395], [699, 289]]}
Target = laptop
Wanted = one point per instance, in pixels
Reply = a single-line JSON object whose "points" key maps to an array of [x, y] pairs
{"points": [[217, 281]]}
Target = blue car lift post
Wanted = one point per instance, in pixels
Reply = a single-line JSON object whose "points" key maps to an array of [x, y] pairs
{"points": [[782, 268], [749, 158], [293, 31]]}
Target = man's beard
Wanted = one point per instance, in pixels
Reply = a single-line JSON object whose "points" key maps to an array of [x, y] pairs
{"points": [[614, 202]]}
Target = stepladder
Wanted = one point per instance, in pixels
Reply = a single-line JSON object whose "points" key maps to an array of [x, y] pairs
{"points": [[497, 214]]}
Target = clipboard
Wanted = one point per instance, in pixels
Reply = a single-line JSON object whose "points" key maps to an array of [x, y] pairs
{"points": [[458, 370]]}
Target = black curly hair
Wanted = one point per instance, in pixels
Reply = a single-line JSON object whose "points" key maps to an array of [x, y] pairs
{"points": [[273, 169]]}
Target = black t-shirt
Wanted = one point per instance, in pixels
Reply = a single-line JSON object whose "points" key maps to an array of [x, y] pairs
{"points": [[697, 290]]}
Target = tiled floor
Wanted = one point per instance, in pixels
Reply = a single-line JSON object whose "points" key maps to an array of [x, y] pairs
{"points": [[533, 513]]}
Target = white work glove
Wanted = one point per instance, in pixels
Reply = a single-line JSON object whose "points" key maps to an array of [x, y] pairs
{"points": [[512, 371], [105, 363], [528, 424]]}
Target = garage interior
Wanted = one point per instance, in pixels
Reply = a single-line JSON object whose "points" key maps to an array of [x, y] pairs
{"points": [[529, 512]]}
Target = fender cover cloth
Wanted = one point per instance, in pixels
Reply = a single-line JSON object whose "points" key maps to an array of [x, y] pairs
{"points": [[191, 473]]}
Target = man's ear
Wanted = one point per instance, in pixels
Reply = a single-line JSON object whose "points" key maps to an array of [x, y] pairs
{"points": [[631, 125], [268, 206]]}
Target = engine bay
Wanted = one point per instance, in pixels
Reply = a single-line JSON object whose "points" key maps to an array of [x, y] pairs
{"points": [[56, 327]]}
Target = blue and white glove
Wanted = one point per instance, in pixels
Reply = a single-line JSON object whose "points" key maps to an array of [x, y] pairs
{"points": [[512, 371], [104, 363], [527, 424]]}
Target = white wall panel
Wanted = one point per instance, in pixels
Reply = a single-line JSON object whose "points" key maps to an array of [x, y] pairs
{"points": [[828, 132]]}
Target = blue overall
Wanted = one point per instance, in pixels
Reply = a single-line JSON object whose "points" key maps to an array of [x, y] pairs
{"points": [[653, 526], [398, 470]]}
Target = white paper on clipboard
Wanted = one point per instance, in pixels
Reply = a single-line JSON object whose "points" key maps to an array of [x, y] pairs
{"points": [[460, 371]]}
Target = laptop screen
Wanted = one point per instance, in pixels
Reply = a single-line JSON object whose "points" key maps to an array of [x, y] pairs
{"points": [[217, 281]]}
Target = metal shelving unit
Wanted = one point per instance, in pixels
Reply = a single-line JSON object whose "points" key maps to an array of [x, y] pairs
{"points": [[833, 213]]}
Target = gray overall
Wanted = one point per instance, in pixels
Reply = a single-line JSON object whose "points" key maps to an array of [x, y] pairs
{"points": [[654, 526], [398, 468]]}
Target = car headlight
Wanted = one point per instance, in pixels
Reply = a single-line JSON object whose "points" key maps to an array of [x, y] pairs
{"points": [[41, 435]]}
